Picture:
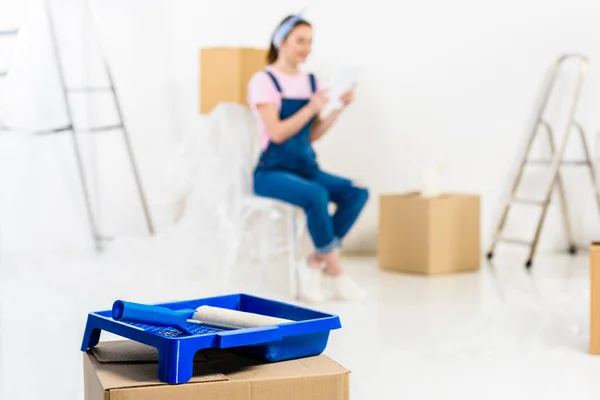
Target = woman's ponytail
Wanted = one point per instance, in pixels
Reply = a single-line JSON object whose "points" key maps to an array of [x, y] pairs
{"points": [[272, 54]]}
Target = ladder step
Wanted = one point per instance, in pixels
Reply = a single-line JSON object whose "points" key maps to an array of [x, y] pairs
{"points": [[40, 132], [548, 162], [57, 130], [576, 162], [9, 32], [514, 241], [527, 201], [64, 129], [102, 238], [90, 89], [101, 128], [3, 73]]}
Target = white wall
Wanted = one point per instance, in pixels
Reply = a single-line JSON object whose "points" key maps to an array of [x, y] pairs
{"points": [[438, 79]]}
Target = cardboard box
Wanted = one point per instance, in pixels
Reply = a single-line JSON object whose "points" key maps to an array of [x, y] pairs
{"points": [[595, 298], [225, 73], [127, 370], [429, 235]]}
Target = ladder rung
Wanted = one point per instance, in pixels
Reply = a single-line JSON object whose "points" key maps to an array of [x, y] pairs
{"points": [[64, 129], [539, 162], [3, 73], [102, 238], [567, 162], [527, 201], [576, 162], [101, 128], [56, 130], [514, 241], [9, 32], [40, 132], [89, 89]]}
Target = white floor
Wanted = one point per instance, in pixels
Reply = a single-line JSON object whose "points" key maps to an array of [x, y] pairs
{"points": [[497, 334]]}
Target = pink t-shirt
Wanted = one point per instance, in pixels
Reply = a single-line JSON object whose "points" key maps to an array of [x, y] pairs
{"points": [[261, 90]]}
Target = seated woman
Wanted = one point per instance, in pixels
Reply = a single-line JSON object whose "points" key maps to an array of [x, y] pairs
{"points": [[287, 102]]}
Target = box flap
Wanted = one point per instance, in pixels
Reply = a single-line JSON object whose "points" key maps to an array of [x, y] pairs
{"points": [[128, 364], [408, 195], [416, 195]]}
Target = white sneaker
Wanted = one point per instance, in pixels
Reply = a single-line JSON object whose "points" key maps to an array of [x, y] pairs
{"points": [[310, 284], [342, 287]]}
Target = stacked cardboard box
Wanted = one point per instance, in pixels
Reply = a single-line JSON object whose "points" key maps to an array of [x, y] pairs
{"points": [[225, 73]]}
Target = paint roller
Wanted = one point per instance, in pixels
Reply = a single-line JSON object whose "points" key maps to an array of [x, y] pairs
{"points": [[239, 319], [204, 315]]}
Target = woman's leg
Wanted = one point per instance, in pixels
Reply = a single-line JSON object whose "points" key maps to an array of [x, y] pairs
{"points": [[304, 193], [350, 201], [349, 198], [330, 262], [314, 199]]}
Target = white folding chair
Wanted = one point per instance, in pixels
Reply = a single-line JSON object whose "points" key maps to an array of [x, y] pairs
{"points": [[239, 151]]}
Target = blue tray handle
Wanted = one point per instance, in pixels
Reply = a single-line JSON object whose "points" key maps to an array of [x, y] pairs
{"points": [[151, 315], [248, 337]]}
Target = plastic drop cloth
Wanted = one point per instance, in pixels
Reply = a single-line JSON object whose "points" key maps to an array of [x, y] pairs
{"points": [[533, 313], [215, 224]]}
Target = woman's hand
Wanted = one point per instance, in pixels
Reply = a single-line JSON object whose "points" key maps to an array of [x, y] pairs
{"points": [[318, 101], [347, 98]]}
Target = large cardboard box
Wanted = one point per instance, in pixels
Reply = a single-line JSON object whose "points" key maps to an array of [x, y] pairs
{"points": [[126, 370], [430, 236], [595, 298], [225, 73]]}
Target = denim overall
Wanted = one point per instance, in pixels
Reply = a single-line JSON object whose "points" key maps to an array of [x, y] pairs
{"points": [[296, 154], [289, 172]]}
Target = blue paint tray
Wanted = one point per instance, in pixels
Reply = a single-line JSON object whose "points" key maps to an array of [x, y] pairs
{"points": [[306, 336]]}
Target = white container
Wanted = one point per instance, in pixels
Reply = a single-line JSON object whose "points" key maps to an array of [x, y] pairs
{"points": [[431, 180]]}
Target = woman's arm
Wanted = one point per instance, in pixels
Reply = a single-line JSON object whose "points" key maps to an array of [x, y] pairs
{"points": [[281, 130], [263, 97], [321, 126]]}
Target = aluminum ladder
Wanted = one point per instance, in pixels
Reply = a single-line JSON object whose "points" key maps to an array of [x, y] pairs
{"points": [[98, 239], [6, 34], [554, 163], [10, 34]]}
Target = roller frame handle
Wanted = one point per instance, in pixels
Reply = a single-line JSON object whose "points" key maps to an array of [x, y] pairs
{"points": [[151, 315]]}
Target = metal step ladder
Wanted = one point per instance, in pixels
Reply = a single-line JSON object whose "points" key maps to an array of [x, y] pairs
{"points": [[554, 163], [70, 127], [10, 34], [4, 35]]}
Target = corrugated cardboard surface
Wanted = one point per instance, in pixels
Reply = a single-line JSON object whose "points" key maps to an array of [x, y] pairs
{"points": [[595, 298], [128, 371], [429, 235], [225, 73]]}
